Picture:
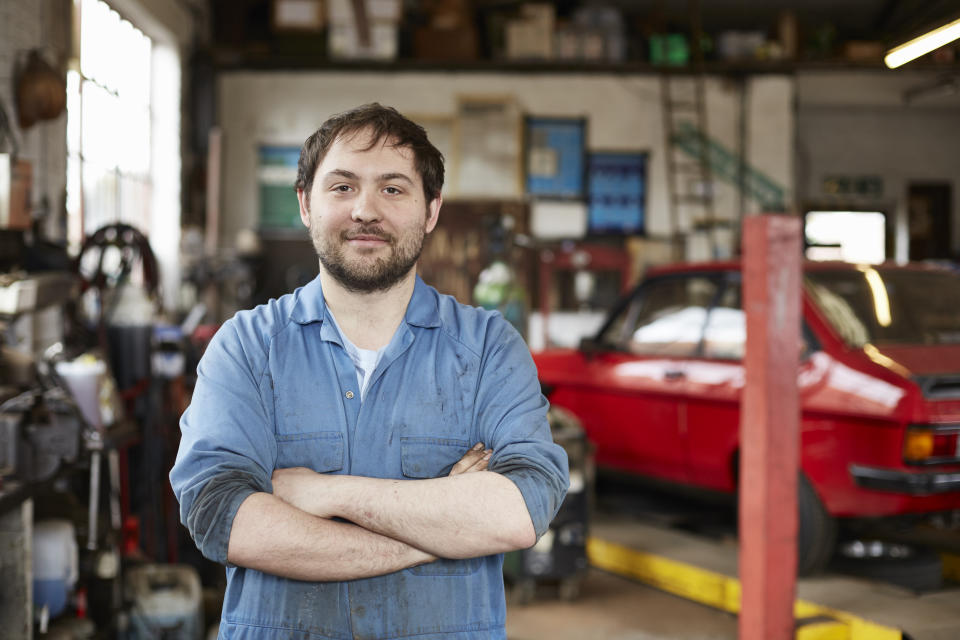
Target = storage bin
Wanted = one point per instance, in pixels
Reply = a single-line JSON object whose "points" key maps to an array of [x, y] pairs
{"points": [[166, 602], [54, 564]]}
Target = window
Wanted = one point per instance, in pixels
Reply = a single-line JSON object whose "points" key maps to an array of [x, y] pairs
{"points": [[695, 315], [123, 132], [889, 305], [725, 336], [851, 236], [666, 317]]}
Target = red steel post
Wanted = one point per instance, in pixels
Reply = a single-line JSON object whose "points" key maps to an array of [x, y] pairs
{"points": [[769, 427]]}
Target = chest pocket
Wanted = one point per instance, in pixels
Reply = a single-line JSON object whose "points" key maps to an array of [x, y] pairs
{"points": [[424, 457], [429, 457], [321, 451]]}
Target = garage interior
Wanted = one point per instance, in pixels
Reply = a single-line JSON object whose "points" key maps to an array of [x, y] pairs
{"points": [[148, 152]]}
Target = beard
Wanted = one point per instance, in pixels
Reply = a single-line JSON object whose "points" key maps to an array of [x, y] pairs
{"points": [[364, 273]]}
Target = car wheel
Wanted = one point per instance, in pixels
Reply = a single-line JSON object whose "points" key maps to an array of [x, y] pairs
{"points": [[816, 531]]}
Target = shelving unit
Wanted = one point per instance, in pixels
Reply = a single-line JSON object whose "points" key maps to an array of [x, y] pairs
{"points": [[23, 480], [16, 570]]}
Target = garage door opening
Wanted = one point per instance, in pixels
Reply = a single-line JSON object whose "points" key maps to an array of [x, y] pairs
{"points": [[850, 236]]}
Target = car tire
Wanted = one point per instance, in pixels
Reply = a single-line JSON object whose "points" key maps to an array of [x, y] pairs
{"points": [[816, 531]]}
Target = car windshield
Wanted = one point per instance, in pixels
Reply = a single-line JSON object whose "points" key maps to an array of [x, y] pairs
{"points": [[881, 305]]}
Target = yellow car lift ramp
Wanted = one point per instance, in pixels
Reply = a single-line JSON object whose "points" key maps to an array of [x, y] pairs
{"points": [[828, 607], [814, 621]]}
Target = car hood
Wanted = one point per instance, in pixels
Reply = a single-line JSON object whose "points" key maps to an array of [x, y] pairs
{"points": [[555, 361], [923, 360]]}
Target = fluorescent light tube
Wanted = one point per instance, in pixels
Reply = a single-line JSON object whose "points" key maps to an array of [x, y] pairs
{"points": [[924, 44]]}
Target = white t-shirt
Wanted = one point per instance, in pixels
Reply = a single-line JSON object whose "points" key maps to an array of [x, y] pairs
{"points": [[365, 360]]}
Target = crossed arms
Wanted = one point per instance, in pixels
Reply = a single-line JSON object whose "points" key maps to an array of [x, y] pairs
{"points": [[390, 524], [326, 527]]}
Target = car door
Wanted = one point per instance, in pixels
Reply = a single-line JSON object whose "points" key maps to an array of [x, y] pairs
{"points": [[637, 375], [714, 389], [715, 379]]}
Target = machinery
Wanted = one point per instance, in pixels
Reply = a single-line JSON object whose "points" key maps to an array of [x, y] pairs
{"points": [[560, 556]]}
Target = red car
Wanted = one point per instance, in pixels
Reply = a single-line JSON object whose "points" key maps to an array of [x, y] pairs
{"points": [[658, 389]]}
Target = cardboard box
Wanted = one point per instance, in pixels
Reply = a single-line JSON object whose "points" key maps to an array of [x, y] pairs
{"points": [[863, 50], [343, 42], [445, 44], [528, 40], [544, 14], [566, 44], [449, 14], [298, 15], [341, 11]]}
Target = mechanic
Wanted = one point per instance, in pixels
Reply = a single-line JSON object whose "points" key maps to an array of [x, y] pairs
{"points": [[361, 452]]}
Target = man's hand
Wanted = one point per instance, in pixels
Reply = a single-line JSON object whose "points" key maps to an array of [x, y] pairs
{"points": [[298, 486], [476, 459]]}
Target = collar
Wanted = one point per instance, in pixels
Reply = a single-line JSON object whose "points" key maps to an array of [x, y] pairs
{"points": [[422, 310]]}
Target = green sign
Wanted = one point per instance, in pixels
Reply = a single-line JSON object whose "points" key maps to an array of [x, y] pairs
{"points": [[276, 175], [865, 186]]}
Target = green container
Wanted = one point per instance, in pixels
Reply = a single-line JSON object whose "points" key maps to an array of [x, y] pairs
{"points": [[669, 49]]}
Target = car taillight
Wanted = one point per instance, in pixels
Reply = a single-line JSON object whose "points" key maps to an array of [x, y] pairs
{"points": [[931, 444]]}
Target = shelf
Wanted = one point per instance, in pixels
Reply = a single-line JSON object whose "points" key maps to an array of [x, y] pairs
{"points": [[235, 61], [35, 291], [13, 492]]}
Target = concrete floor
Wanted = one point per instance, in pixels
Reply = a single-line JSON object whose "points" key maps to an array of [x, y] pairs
{"points": [[616, 608]]}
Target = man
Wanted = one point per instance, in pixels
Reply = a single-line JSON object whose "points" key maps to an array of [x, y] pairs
{"points": [[361, 452]]}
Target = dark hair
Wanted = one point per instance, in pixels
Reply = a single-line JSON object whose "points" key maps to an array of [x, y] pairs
{"points": [[383, 123]]}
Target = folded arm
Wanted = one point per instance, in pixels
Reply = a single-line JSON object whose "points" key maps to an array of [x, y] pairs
{"points": [[272, 536], [459, 516]]}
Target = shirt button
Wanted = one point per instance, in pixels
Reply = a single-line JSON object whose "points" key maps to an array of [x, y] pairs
{"points": [[349, 395]]}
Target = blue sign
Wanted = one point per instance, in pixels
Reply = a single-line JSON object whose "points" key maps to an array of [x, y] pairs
{"points": [[555, 157], [617, 185]]}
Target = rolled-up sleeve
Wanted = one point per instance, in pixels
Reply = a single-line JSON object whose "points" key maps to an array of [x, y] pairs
{"points": [[227, 447], [512, 414]]}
